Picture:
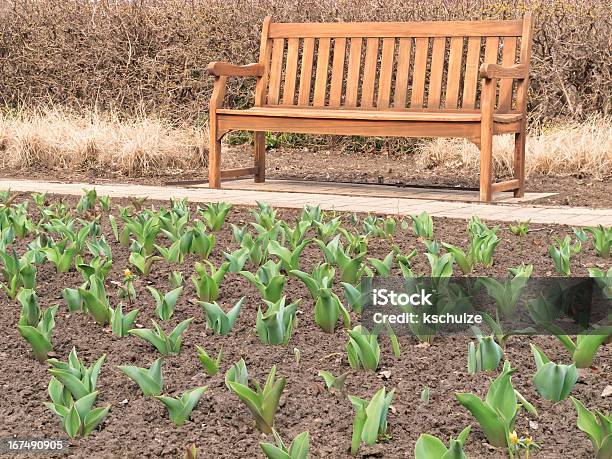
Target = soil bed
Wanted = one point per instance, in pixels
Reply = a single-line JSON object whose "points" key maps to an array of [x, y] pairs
{"points": [[221, 426], [335, 166]]}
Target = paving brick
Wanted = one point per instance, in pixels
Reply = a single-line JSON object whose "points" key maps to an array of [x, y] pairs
{"points": [[353, 198]]}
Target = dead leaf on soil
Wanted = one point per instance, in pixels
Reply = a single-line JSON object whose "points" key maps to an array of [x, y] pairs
{"points": [[335, 354]]}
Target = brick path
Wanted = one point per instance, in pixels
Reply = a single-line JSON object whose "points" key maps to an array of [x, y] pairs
{"points": [[373, 190], [351, 203]]}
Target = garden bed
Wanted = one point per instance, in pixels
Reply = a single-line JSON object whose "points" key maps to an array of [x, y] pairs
{"points": [[335, 166], [221, 426]]}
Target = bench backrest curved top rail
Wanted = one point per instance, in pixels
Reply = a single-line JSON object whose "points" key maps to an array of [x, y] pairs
{"points": [[428, 66]]}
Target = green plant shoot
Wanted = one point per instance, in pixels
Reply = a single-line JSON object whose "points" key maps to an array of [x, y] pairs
{"points": [[218, 320], [149, 380], [297, 450], [165, 343], [180, 408], [370, 422], [262, 403], [211, 366], [553, 381]]}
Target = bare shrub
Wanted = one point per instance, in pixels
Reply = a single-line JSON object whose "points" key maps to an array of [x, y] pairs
{"points": [[149, 56]]}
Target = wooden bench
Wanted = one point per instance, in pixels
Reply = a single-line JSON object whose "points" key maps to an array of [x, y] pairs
{"points": [[415, 79]]}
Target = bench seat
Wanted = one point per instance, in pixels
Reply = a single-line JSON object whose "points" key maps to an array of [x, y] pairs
{"points": [[376, 115]]}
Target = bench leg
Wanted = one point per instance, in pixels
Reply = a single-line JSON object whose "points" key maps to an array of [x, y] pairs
{"points": [[259, 139], [519, 162], [214, 159], [486, 155]]}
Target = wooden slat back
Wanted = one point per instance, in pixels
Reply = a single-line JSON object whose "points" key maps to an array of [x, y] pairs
{"points": [[306, 71], [505, 85], [352, 79], [436, 74], [369, 73], [389, 66], [278, 45], [491, 53], [320, 87], [291, 71], [386, 73], [403, 69], [472, 65], [335, 90], [419, 72], [453, 77]]}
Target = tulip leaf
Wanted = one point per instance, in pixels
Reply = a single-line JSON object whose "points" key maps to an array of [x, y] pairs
{"points": [[180, 408]]}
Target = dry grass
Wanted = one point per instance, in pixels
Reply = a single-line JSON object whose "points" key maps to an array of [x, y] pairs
{"points": [[56, 139], [563, 149], [146, 146]]}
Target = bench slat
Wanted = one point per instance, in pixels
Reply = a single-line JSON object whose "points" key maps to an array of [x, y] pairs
{"points": [[491, 55], [369, 73], [291, 71], [321, 76], [352, 79], [436, 74], [418, 74], [472, 66], [526, 43], [403, 67], [374, 114], [335, 91], [507, 185], [278, 45], [505, 85], [491, 50], [397, 29], [386, 73], [350, 127], [454, 72], [306, 71], [265, 51], [237, 172]]}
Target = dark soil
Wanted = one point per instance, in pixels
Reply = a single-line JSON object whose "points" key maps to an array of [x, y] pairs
{"points": [[336, 166], [221, 426], [401, 170]]}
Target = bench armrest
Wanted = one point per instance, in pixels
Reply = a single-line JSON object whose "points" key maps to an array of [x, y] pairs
{"points": [[517, 71], [218, 69]]}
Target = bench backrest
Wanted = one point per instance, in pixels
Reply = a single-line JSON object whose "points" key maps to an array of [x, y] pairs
{"points": [[378, 65]]}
